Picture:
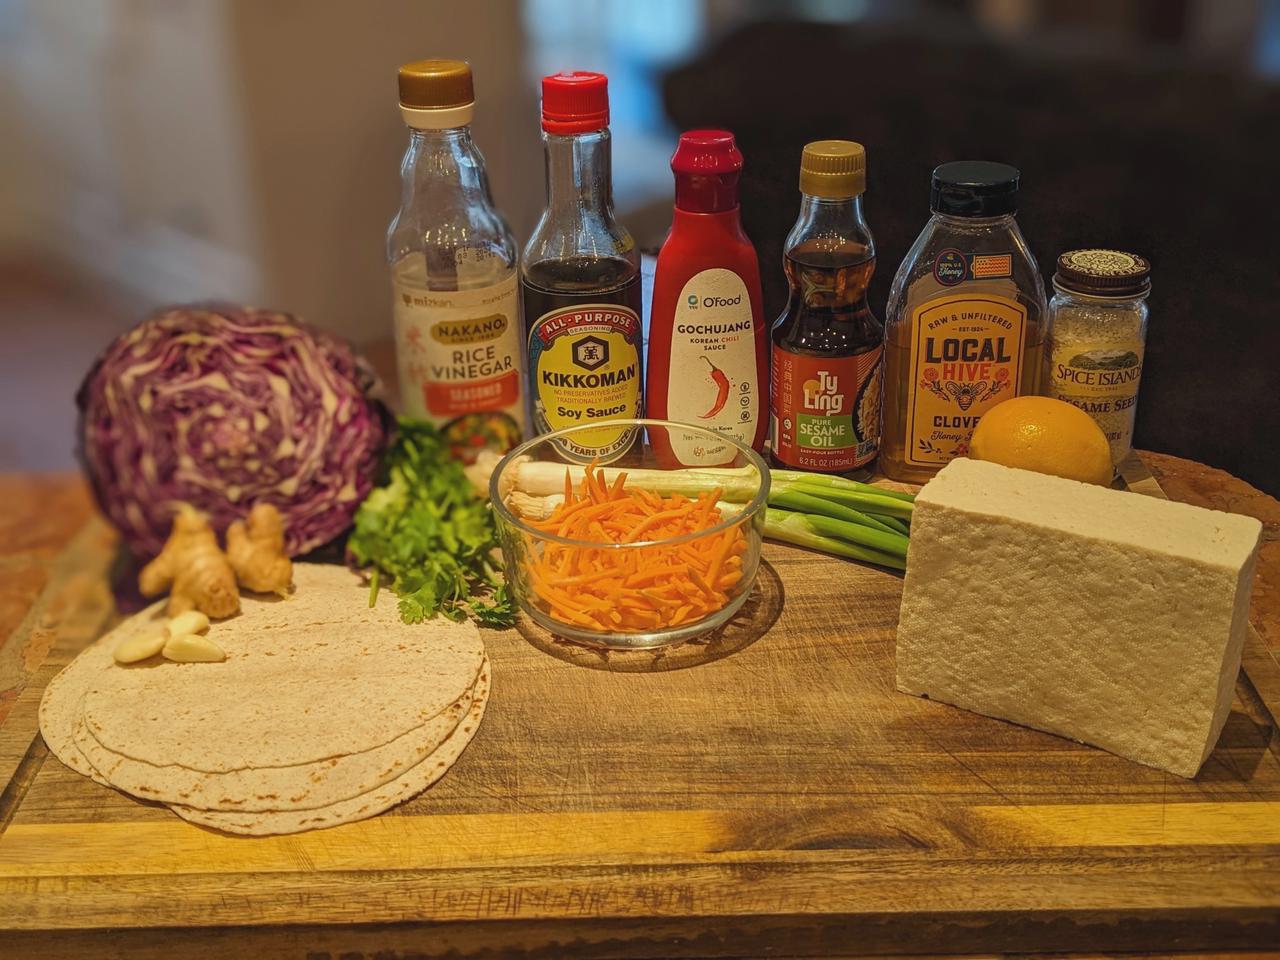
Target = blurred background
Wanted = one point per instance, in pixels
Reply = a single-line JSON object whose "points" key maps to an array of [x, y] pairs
{"points": [[154, 151]]}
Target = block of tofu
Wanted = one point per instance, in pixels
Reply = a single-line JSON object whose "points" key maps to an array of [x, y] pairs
{"points": [[1105, 616]]}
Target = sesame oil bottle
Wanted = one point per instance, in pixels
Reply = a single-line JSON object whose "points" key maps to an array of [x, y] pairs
{"points": [[827, 346]]}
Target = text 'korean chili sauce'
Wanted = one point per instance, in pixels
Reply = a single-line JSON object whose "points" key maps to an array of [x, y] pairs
{"points": [[708, 347]]}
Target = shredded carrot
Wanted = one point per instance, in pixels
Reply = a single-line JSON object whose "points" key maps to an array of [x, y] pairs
{"points": [[645, 587], [616, 492]]}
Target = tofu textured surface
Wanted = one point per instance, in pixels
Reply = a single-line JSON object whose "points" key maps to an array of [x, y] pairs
{"points": [[1109, 617]]}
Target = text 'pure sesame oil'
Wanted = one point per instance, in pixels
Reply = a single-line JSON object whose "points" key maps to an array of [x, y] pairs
{"points": [[827, 345]]}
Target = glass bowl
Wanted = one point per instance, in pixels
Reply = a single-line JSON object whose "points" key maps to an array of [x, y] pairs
{"points": [[619, 588]]}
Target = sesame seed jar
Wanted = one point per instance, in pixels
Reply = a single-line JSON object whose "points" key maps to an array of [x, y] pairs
{"points": [[1097, 338]]}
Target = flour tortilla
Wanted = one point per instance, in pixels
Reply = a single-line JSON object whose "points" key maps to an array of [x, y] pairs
{"points": [[413, 782], [303, 787], [313, 677], [63, 697]]}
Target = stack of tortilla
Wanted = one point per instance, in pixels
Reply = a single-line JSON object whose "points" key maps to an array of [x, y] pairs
{"points": [[325, 711]]}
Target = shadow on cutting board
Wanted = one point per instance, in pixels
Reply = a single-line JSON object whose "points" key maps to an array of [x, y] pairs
{"points": [[753, 621], [1242, 745]]}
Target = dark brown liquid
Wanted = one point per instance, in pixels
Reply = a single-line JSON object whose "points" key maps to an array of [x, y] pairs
{"points": [[827, 312], [555, 284]]}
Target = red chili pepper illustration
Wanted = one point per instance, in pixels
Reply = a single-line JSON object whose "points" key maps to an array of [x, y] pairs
{"points": [[722, 389]]}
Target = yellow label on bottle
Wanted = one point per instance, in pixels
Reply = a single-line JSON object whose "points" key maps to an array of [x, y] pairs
{"points": [[967, 354], [584, 361]]}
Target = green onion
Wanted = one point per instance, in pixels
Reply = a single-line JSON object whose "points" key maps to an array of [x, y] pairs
{"points": [[839, 483], [816, 533], [890, 543], [795, 498], [900, 526], [866, 502]]}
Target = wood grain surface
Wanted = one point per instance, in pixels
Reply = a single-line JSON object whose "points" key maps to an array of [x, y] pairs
{"points": [[764, 793]]}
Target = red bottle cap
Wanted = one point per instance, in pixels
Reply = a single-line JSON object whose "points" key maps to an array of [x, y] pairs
{"points": [[576, 102], [707, 164]]}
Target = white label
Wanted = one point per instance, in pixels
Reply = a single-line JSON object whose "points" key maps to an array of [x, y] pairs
{"points": [[459, 358], [713, 365]]}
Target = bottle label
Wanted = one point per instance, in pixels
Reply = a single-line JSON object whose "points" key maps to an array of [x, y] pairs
{"points": [[584, 361], [458, 354], [952, 267], [966, 356], [1101, 378], [826, 410], [712, 379]]}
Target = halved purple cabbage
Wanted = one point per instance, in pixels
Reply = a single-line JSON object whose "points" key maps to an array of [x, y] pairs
{"points": [[223, 407]]}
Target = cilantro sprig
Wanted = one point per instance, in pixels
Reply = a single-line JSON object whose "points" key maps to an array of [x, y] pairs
{"points": [[428, 536]]}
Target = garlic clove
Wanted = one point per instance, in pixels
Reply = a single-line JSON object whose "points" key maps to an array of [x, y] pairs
{"points": [[139, 648], [193, 648], [193, 621]]}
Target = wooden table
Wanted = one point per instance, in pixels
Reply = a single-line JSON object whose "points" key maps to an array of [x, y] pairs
{"points": [[777, 797]]}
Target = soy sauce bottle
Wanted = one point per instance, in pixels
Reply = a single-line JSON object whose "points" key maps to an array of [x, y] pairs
{"points": [[827, 347], [580, 281]]}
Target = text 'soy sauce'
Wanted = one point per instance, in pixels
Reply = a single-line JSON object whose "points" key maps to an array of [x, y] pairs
{"points": [[580, 282]]}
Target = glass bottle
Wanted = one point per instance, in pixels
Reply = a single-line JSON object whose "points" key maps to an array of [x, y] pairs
{"points": [[965, 321], [453, 273], [580, 281], [827, 346], [1097, 339]]}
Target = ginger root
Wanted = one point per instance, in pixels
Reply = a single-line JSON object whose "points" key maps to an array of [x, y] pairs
{"points": [[193, 569], [256, 551]]}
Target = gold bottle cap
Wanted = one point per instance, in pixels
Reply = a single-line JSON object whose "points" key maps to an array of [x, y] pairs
{"points": [[436, 84], [834, 169]]}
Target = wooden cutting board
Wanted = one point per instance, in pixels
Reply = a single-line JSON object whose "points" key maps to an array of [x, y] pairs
{"points": [[768, 792]]}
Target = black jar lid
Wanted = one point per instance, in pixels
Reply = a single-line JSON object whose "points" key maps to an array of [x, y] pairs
{"points": [[974, 188], [1103, 273]]}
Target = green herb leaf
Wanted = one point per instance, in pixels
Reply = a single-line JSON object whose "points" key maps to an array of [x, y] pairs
{"points": [[429, 535]]}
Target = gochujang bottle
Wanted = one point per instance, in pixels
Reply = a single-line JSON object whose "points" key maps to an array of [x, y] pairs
{"points": [[708, 345], [580, 281], [828, 345]]}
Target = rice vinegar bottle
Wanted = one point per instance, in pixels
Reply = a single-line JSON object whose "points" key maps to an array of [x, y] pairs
{"points": [[453, 273], [965, 325]]}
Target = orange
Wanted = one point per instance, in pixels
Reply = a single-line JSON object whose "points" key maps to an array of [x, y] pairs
{"points": [[1044, 435]]}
